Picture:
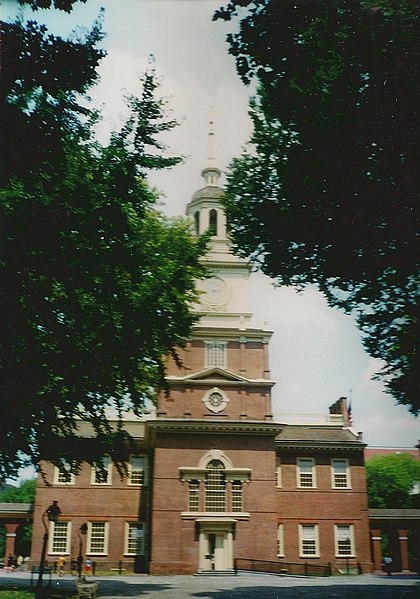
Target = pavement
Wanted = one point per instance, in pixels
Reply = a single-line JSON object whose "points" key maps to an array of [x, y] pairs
{"points": [[243, 586]]}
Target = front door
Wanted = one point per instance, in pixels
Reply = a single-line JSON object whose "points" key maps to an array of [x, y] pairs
{"points": [[215, 550]]}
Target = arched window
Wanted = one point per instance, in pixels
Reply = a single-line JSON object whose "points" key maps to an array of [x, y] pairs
{"points": [[197, 222], [215, 487], [213, 221]]}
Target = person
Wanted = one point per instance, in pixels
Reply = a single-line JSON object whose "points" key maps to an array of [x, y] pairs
{"points": [[11, 562], [19, 561], [387, 565], [88, 566], [60, 565]]}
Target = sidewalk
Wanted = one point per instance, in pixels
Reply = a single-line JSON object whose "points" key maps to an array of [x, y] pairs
{"points": [[243, 586]]}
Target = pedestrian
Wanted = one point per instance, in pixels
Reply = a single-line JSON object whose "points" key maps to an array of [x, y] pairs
{"points": [[88, 566], [60, 565], [387, 565]]}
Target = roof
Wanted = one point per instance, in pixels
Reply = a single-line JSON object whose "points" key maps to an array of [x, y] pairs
{"points": [[16, 508], [318, 436], [394, 514]]}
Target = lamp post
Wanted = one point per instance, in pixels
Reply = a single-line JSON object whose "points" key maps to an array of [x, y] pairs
{"points": [[82, 531], [52, 513]]}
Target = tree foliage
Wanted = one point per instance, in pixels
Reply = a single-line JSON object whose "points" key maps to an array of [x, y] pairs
{"points": [[327, 191], [393, 481], [97, 283], [24, 493]]}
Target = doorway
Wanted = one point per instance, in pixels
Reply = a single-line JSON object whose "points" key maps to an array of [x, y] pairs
{"points": [[215, 547]]}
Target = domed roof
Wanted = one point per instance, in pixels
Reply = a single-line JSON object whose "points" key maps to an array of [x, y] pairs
{"points": [[209, 191]]}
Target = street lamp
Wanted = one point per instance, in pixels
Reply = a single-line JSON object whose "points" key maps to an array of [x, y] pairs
{"points": [[52, 513], [82, 531]]}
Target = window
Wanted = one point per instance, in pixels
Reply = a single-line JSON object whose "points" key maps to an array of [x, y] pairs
{"points": [[102, 475], [136, 471], [197, 222], [98, 538], [213, 221], [63, 474], [308, 540], [306, 472], [344, 540], [280, 541], [134, 538], [60, 538], [340, 474], [278, 473], [215, 487], [215, 354], [236, 496], [194, 496]]}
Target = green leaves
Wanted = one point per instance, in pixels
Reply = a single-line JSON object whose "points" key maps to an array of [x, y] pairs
{"points": [[393, 481], [97, 283], [326, 193]]}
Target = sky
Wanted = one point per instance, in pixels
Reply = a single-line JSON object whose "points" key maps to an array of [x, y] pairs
{"points": [[316, 352]]}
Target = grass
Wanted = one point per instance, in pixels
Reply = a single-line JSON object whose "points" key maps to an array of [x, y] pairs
{"points": [[16, 594]]}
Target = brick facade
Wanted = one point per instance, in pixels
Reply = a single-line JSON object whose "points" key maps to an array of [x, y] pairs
{"points": [[221, 478]]}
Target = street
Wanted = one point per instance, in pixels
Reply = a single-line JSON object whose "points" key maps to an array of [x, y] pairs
{"points": [[243, 586]]}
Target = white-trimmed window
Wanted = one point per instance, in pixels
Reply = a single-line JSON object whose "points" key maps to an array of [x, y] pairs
{"points": [[306, 473], [344, 540], [134, 538], [279, 481], [215, 354], [102, 475], [60, 537], [280, 540], [63, 474], [340, 474], [97, 542], [136, 471], [194, 496], [308, 540], [215, 487], [236, 496]]}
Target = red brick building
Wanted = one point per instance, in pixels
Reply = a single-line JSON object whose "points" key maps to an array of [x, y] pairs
{"points": [[216, 478]]}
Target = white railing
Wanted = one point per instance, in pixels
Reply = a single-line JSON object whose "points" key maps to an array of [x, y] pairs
{"points": [[303, 418]]}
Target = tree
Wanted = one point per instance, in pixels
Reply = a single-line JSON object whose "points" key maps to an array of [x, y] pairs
{"points": [[24, 493], [326, 192], [393, 481], [97, 283]]}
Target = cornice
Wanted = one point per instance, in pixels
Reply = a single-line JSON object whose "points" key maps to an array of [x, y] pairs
{"points": [[320, 445], [229, 427], [211, 382], [246, 334]]}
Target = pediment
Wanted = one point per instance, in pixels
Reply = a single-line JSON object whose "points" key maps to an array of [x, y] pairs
{"points": [[212, 374]]}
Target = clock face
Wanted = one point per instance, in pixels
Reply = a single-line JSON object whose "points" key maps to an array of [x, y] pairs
{"points": [[216, 291]]}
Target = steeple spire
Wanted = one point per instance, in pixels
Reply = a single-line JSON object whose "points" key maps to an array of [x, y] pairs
{"points": [[211, 173]]}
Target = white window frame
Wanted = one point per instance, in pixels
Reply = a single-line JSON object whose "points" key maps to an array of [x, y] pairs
{"points": [[302, 539], [350, 537], [108, 467], [194, 496], [89, 550], [300, 474], [215, 354], [280, 540], [134, 471], [128, 527], [64, 470], [52, 537], [237, 496], [279, 478], [335, 475]]}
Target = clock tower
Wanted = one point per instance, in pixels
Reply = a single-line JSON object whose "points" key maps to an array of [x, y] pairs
{"points": [[224, 370], [214, 433]]}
